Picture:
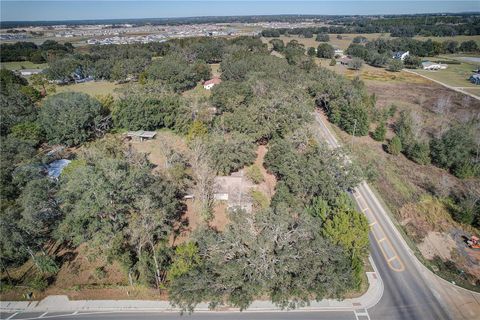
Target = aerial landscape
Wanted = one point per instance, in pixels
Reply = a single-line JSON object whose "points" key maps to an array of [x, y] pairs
{"points": [[240, 159]]}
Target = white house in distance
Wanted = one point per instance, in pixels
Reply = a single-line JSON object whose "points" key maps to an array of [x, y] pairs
{"points": [[401, 55], [210, 83], [428, 65]]}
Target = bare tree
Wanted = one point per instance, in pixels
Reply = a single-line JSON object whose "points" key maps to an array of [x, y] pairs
{"points": [[204, 177]]}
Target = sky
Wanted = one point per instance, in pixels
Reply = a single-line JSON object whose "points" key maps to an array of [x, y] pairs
{"points": [[40, 10]]}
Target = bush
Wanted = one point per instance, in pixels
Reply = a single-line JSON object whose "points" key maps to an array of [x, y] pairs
{"points": [[311, 52], [38, 283], [379, 133], [394, 146], [333, 62], [255, 174], [99, 273], [260, 201]]}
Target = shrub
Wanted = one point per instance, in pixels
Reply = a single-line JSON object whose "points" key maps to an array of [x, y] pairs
{"points": [[394, 146], [254, 174], [99, 273], [379, 133], [260, 201], [38, 283], [333, 62]]}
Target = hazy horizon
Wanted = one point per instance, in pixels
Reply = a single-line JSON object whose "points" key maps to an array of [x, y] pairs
{"points": [[101, 10]]}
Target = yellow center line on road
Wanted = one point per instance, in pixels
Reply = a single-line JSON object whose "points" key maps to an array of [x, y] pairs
{"points": [[388, 259]]}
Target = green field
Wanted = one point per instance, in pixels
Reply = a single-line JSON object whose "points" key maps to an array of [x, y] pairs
{"points": [[93, 88], [17, 65]]}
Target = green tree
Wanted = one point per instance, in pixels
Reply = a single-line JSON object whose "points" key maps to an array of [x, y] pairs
{"points": [[278, 45], [230, 153], [150, 112], [275, 253], [355, 64], [322, 37], [454, 149], [379, 133], [325, 50], [469, 46], [312, 52], [395, 65], [394, 146], [185, 259], [71, 118]]}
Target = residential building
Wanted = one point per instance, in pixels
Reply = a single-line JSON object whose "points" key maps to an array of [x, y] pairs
{"points": [[401, 55], [212, 82]]}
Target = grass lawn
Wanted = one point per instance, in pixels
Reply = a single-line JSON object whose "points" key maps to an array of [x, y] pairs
{"points": [[93, 88], [17, 65], [456, 75]]}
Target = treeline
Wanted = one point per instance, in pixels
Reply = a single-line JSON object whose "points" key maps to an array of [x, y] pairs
{"points": [[437, 26], [409, 26], [21, 51], [379, 52]]}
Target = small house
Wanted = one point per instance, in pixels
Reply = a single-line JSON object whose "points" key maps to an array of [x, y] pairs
{"points": [[212, 82], [401, 55], [141, 135]]}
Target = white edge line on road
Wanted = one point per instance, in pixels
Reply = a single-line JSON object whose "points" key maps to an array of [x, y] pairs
{"points": [[13, 315]]}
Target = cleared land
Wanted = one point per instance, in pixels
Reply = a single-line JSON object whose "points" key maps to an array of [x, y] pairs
{"points": [[17, 65], [93, 88]]}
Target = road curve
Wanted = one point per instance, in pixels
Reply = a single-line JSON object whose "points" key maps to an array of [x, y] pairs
{"points": [[411, 290]]}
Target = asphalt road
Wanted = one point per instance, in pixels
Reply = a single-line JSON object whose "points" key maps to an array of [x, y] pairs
{"points": [[327, 315], [406, 293]]}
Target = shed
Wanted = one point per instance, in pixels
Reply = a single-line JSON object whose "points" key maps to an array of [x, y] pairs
{"points": [[141, 135]]}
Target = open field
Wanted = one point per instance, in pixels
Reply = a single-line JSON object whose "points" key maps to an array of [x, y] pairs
{"points": [[92, 88], [456, 75], [17, 65]]}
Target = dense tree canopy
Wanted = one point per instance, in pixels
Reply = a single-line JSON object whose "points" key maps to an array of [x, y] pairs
{"points": [[71, 118]]}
